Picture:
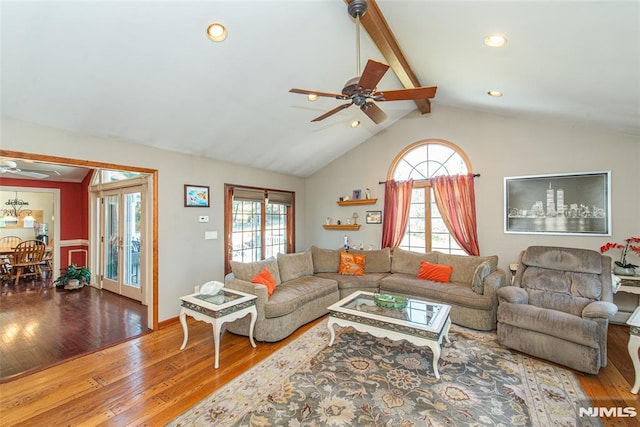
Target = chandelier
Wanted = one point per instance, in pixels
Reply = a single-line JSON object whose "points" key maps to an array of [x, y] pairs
{"points": [[11, 215]]}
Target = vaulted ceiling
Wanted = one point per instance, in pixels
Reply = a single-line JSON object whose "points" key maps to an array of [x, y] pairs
{"points": [[145, 72]]}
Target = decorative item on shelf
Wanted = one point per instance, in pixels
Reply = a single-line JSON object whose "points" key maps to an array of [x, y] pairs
{"points": [[622, 267], [338, 222], [390, 301], [355, 217], [73, 277], [348, 221], [327, 220], [356, 194], [367, 193]]}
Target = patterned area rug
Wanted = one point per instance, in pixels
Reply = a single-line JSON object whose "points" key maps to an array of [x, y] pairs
{"points": [[366, 381]]}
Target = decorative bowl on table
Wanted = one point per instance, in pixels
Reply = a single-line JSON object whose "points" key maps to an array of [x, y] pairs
{"points": [[390, 301]]}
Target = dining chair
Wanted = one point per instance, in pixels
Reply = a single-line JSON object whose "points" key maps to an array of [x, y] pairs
{"points": [[47, 259], [26, 259], [7, 245], [9, 241]]}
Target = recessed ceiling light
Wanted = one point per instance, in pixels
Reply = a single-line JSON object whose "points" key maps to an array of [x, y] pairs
{"points": [[495, 40], [217, 32], [355, 123], [312, 97], [494, 93]]}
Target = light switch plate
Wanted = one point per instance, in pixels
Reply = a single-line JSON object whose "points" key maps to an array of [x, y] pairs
{"points": [[208, 235], [203, 218]]}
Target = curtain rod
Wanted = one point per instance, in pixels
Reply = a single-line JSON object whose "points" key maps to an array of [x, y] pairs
{"points": [[475, 175]]}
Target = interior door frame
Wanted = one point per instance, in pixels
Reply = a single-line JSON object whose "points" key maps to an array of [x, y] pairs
{"points": [[152, 224], [56, 213]]}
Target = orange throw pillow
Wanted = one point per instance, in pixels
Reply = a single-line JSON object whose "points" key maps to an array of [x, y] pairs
{"points": [[265, 278], [435, 272], [351, 264]]}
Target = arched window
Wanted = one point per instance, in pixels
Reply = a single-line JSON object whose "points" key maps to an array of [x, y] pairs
{"points": [[421, 161]]}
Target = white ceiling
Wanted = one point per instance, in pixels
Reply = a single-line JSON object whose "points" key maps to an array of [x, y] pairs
{"points": [[144, 71]]}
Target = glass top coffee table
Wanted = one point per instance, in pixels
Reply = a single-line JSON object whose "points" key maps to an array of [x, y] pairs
{"points": [[422, 323]]}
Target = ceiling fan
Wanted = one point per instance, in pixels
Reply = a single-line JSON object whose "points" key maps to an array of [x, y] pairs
{"points": [[9, 166], [361, 90]]}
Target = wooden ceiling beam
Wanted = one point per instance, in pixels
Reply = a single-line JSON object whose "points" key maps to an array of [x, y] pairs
{"points": [[376, 26]]}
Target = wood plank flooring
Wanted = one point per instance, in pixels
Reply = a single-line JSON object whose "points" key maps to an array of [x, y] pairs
{"points": [[41, 326], [148, 381]]}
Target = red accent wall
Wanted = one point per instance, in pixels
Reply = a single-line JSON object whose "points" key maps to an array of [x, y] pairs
{"points": [[74, 211]]}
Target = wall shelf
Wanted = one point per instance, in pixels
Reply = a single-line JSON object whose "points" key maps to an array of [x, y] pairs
{"points": [[357, 202], [341, 226]]}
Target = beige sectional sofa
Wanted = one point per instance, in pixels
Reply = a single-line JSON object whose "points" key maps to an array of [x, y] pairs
{"points": [[308, 282]]}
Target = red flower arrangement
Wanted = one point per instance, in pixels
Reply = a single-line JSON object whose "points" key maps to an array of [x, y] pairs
{"points": [[625, 248]]}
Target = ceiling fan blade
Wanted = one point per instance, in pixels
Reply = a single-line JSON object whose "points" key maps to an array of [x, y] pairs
{"points": [[332, 112], [29, 174], [407, 94], [372, 74], [374, 112], [315, 92]]}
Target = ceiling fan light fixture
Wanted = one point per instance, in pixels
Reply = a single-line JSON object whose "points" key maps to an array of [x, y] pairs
{"points": [[312, 97], [355, 124], [217, 32], [495, 40], [495, 93]]}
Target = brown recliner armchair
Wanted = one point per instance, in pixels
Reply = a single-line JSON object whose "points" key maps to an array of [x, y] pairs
{"points": [[559, 307]]}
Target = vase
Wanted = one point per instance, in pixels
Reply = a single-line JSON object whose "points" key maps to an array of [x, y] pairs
{"points": [[622, 271]]}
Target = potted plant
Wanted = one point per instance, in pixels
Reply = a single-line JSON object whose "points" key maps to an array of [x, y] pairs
{"points": [[73, 277], [623, 267]]}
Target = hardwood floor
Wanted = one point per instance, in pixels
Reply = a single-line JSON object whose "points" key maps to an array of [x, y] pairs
{"points": [[42, 326], [148, 381]]}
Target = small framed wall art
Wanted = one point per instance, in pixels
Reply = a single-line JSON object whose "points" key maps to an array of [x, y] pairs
{"points": [[357, 194], [196, 196], [374, 217]]}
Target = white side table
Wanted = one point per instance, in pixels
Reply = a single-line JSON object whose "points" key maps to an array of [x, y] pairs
{"points": [[225, 306], [634, 345]]}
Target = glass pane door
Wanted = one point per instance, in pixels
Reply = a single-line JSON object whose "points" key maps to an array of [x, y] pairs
{"points": [[122, 230]]}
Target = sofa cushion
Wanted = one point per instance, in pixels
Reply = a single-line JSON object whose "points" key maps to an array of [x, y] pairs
{"points": [[366, 281], [265, 278], [351, 264], [248, 270], [435, 272], [408, 262], [295, 265], [325, 260], [377, 261], [464, 266], [293, 294], [452, 293]]}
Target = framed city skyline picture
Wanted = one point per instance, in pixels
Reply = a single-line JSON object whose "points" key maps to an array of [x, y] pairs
{"points": [[564, 204]]}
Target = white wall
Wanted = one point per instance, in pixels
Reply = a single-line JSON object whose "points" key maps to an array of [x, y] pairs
{"points": [[185, 258], [498, 147]]}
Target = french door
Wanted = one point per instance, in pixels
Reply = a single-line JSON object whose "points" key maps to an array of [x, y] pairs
{"points": [[121, 231]]}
